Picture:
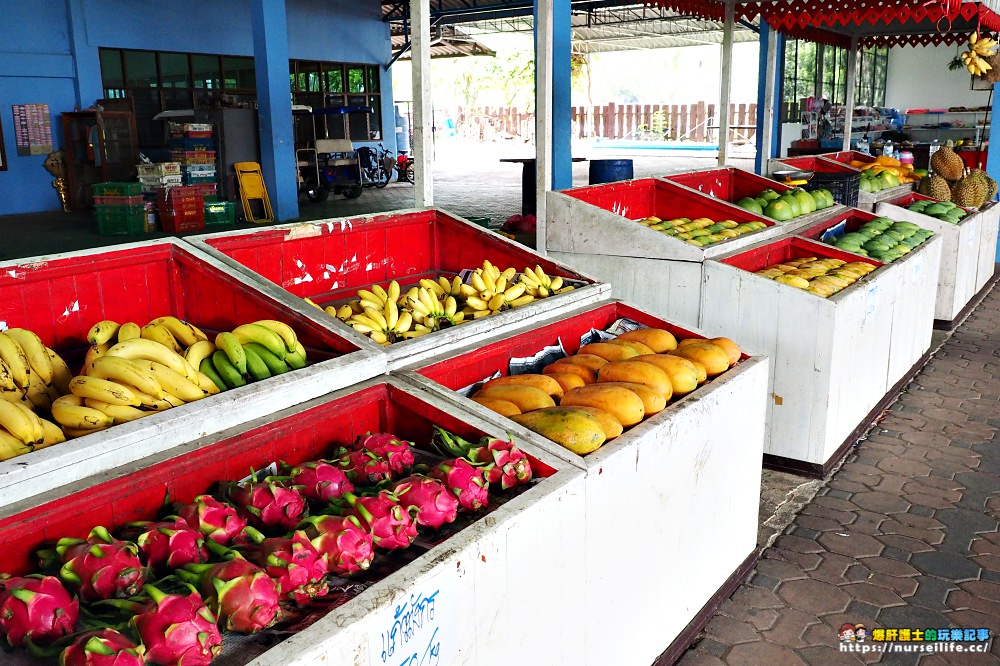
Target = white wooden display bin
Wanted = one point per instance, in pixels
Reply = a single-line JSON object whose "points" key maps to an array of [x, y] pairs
{"points": [[732, 184], [687, 479], [989, 226], [327, 261], [829, 357], [960, 255], [594, 229], [913, 309], [60, 297], [506, 582], [868, 200]]}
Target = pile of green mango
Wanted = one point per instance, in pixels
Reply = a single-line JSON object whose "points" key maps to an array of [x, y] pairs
{"points": [[883, 239], [942, 210], [791, 204], [876, 182]]}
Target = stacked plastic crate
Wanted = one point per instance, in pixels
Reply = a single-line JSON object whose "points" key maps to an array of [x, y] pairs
{"points": [[181, 208], [153, 177], [193, 146], [118, 209]]}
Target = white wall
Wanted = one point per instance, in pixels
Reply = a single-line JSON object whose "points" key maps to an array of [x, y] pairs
{"points": [[919, 77]]}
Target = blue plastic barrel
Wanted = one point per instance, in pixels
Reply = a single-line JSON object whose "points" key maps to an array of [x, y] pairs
{"points": [[608, 171]]}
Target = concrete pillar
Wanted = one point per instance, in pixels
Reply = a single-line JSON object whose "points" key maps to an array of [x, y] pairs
{"points": [[727, 78], [993, 155], [544, 17], [423, 134], [274, 101], [852, 83], [562, 96], [86, 61], [768, 98]]}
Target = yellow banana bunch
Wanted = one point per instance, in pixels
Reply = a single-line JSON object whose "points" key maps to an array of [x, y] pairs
{"points": [[976, 65], [384, 325], [376, 297], [433, 313], [982, 46], [540, 285]]}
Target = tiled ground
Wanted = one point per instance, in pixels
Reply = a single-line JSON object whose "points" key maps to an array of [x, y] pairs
{"points": [[903, 535]]}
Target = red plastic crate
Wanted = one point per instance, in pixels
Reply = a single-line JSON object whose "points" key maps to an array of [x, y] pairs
{"points": [[179, 193], [179, 221], [111, 200], [638, 199], [311, 433], [345, 255], [789, 248], [62, 297], [728, 184], [469, 368]]}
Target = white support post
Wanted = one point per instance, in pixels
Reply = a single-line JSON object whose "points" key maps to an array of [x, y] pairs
{"points": [[727, 75], [543, 115], [423, 135], [770, 85], [852, 78]]}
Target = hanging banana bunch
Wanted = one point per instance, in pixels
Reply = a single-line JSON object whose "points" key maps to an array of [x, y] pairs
{"points": [[980, 48]]}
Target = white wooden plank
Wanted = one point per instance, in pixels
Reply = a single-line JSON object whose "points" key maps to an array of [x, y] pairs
{"points": [[423, 112], [989, 217]]}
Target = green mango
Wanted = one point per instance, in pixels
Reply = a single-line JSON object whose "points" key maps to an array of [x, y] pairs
{"points": [[770, 195], [779, 210], [792, 202], [751, 205]]}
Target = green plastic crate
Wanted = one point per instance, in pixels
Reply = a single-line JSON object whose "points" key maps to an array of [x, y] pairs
{"points": [[219, 213], [481, 221], [120, 220], [116, 189]]}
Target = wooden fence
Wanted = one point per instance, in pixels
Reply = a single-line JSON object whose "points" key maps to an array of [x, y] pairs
{"points": [[672, 122]]}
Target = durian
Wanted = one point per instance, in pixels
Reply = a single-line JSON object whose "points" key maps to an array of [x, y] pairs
{"points": [[969, 192], [936, 187], [947, 164]]}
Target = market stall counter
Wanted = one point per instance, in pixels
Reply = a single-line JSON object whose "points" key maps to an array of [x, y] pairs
{"points": [[354, 262], [691, 470], [968, 251], [122, 303], [828, 342], [493, 580], [648, 239]]}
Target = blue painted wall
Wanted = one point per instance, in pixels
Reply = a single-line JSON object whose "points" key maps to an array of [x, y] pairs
{"points": [[38, 41]]}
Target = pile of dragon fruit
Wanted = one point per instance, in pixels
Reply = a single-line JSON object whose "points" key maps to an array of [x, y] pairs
{"points": [[164, 592]]}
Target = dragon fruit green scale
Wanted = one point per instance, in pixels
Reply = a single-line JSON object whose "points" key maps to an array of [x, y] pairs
{"points": [[177, 630], [432, 502], [465, 481], [36, 607], [100, 566], [103, 647]]}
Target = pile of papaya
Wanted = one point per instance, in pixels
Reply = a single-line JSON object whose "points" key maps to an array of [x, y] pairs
{"points": [[586, 399]]}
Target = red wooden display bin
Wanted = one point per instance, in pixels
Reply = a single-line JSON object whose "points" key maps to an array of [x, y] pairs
{"points": [[641, 198], [471, 367], [309, 432], [693, 468], [759, 257], [727, 183], [853, 217], [61, 297], [329, 260], [818, 164], [846, 157]]}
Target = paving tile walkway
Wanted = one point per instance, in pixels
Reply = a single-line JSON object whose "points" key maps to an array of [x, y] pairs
{"points": [[904, 535]]}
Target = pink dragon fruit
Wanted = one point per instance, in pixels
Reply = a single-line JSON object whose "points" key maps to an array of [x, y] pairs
{"points": [[177, 630], [505, 463], [243, 596], [295, 565], [319, 481], [103, 647], [98, 567], [217, 520], [390, 525], [429, 499], [501, 462], [395, 451], [347, 546], [267, 504], [364, 468], [168, 545], [465, 481], [36, 608]]}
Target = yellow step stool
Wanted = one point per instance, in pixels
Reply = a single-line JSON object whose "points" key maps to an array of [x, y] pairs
{"points": [[253, 193]]}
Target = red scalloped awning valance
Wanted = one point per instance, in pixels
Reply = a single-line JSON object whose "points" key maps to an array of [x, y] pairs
{"points": [[824, 21]]}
